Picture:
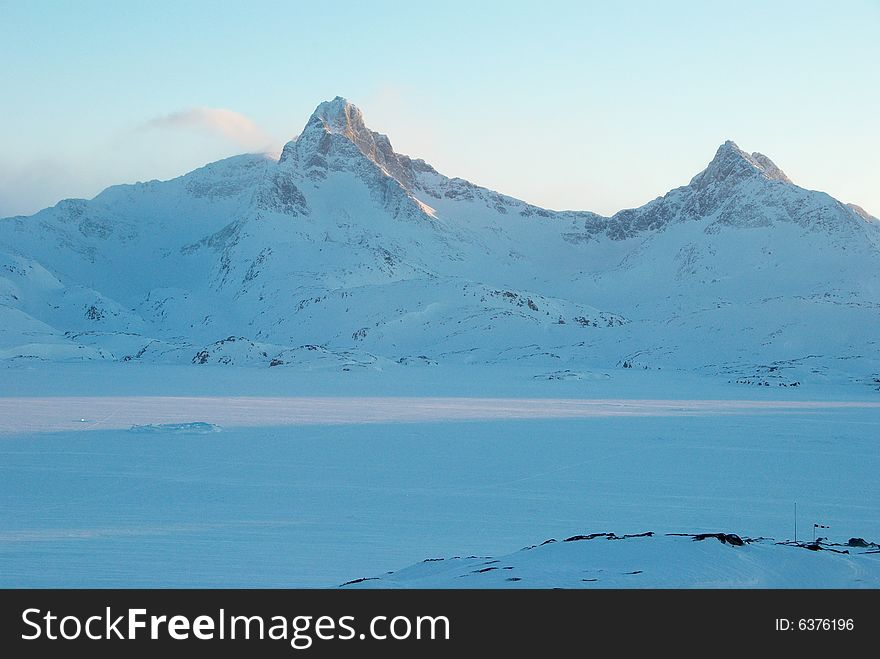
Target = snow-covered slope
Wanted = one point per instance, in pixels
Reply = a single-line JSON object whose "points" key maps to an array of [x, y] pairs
{"points": [[346, 247], [606, 560]]}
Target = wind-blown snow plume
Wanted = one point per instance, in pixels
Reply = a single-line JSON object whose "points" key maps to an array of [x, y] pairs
{"points": [[228, 124]]}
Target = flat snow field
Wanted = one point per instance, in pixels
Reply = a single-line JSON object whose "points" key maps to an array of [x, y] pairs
{"points": [[279, 495]]}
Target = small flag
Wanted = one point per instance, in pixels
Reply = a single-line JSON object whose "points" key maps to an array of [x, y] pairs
{"points": [[820, 526]]}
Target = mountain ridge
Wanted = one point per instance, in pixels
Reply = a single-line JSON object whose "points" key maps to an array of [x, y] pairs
{"points": [[375, 258]]}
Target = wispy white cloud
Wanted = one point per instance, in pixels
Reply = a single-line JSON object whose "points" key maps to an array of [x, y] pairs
{"points": [[31, 181], [227, 124]]}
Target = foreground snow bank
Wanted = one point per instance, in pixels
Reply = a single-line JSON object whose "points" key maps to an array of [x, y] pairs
{"points": [[646, 560]]}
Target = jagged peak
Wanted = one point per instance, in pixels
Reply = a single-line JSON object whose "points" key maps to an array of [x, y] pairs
{"points": [[771, 171], [731, 162], [861, 212], [342, 119], [335, 117]]}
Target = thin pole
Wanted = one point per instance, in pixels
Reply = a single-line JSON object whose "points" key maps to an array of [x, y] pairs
{"points": [[795, 521]]}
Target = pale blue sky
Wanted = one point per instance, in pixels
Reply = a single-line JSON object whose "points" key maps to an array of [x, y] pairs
{"points": [[588, 105]]}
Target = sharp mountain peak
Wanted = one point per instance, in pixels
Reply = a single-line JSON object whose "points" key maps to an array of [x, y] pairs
{"points": [[332, 128], [340, 117], [732, 163]]}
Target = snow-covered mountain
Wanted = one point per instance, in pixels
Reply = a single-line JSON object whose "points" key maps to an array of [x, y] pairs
{"points": [[346, 253]]}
